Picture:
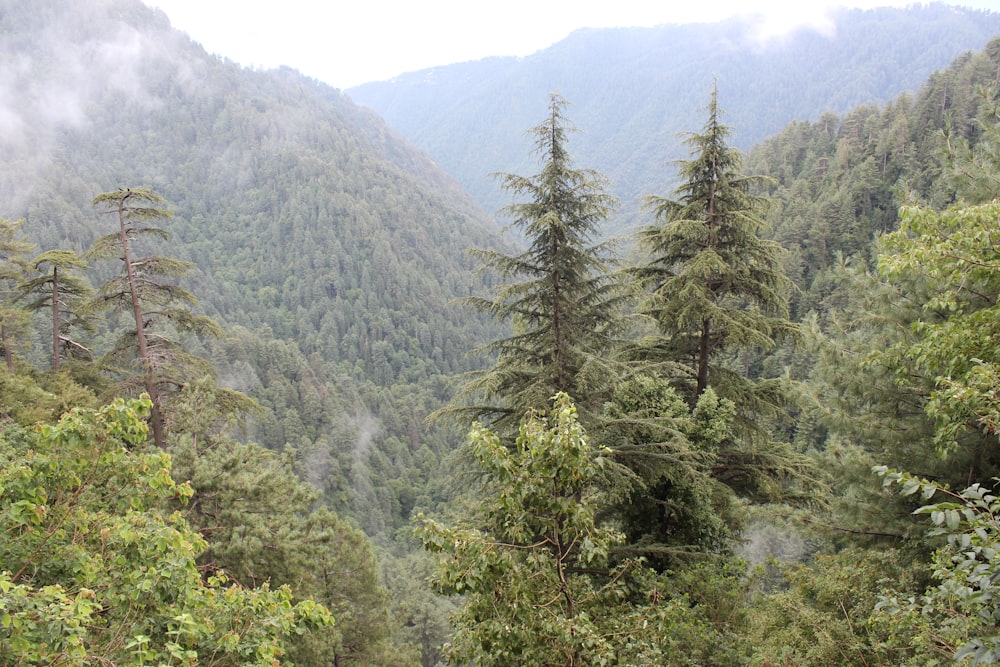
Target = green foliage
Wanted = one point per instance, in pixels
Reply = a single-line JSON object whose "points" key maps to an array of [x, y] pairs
{"points": [[902, 372], [717, 294], [841, 179], [312, 228], [64, 292], [959, 614], [956, 332], [533, 564], [263, 526], [913, 369], [344, 576], [424, 614], [13, 267], [714, 283], [145, 289], [97, 569], [26, 399], [665, 495], [336, 248], [823, 613], [565, 310], [521, 563], [973, 165]]}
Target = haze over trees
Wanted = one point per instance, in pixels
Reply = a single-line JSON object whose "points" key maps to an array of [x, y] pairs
{"points": [[636, 90], [799, 354]]}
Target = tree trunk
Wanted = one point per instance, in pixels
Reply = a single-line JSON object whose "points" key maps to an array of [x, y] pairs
{"points": [[703, 350], [55, 319], [148, 379]]}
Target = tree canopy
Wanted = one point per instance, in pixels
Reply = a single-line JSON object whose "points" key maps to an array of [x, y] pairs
{"points": [[564, 305], [715, 283], [98, 568]]}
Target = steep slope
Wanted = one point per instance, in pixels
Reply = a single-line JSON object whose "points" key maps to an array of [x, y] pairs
{"points": [[329, 247], [633, 90], [839, 181]]}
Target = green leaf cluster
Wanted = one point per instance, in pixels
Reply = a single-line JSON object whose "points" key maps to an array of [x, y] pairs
{"points": [[533, 564], [958, 615], [957, 253], [98, 568]]}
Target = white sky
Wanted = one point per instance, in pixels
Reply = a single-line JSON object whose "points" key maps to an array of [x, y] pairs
{"points": [[348, 42]]}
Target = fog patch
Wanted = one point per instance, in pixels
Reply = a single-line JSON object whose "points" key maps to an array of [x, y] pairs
{"points": [[53, 76], [764, 542], [776, 29], [365, 499]]}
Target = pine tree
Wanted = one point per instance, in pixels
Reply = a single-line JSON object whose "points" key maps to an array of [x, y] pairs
{"points": [[63, 292], [144, 289], [974, 170], [717, 293], [661, 456], [715, 285], [13, 268], [565, 310]]}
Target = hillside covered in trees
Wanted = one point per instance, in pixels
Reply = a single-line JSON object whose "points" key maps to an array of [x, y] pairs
{"points": [[634, 90], [244, 336], [328, 248]]}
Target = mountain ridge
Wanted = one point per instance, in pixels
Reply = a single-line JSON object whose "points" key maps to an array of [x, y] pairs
{"points": [[328, 247], [634, 90]]}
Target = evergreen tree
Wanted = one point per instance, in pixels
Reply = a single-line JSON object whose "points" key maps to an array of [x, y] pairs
{"points": [[60, 290], [718, 296], [144, 289], [13, 268], [715, 285], [263, 524], [974, 169], [664, 495], [565, 310]]}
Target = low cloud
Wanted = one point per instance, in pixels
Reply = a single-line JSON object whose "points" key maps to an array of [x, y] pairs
{"points": [[52, 78]]}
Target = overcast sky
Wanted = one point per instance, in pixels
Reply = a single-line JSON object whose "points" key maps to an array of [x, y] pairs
{"points": [[348, 42]]}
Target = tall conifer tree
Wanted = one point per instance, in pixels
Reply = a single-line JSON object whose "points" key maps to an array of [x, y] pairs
{"points": [[147, 290], [13, 268], [716, 290], [565, 309], [59, 289], [715, 285]]}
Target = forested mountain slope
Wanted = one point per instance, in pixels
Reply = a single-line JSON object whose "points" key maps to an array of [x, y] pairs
{"points": [[840, 180], [714, 401], [885, 385], [327, 246], [888, 215], [633, 90]]}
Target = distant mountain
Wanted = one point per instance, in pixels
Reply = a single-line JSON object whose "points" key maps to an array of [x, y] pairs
{"points": [[633, 90], [328, 246], [287, 195]]}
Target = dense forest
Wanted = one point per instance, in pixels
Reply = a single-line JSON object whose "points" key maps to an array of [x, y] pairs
{"points": [[634, 90], [262, 405]]}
